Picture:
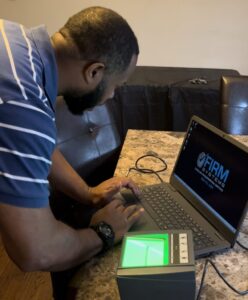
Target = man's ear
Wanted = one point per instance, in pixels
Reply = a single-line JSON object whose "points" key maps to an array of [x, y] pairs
{"points": [[93, 73]]}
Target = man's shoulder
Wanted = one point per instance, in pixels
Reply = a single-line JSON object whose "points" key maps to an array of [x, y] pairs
{"points": [[28, 63], [21, 67]]}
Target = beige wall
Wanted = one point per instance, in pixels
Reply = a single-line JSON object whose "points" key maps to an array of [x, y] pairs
{"points": [[186, 33]]}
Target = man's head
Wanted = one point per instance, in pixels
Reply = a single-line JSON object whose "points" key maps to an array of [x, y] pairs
{"points": [[96, 52]]}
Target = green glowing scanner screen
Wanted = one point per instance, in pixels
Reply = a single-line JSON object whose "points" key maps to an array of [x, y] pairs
{"points": [[146, 250]]}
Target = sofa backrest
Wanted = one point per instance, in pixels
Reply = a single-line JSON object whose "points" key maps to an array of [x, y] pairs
{"points": [[165, 98], [87, 141]]}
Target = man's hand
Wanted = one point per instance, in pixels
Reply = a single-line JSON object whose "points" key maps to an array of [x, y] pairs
{"points": [[63, 178], [119, 217], [105, 191]]}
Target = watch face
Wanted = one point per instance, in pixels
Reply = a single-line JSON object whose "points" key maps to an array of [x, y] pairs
{"points": [[106, 233], [106, 230]]}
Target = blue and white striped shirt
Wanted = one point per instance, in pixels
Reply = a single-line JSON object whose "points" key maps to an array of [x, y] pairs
{"points": [[28, 88]]}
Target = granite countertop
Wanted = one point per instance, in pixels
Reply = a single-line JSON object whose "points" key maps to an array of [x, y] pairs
{"points": [[96, 279]]}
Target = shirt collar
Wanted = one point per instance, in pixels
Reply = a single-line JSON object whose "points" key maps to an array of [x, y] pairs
{"points": [[46, 52]]}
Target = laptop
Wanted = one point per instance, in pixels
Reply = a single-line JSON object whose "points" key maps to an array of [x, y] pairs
{"points": [[207, 192]]}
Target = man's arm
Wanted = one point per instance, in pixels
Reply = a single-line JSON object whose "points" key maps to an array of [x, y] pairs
{"points": [[65, 179], [35, 240]]}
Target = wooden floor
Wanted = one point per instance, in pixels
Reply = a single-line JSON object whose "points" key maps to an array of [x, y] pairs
{"points": [[17, 285]]}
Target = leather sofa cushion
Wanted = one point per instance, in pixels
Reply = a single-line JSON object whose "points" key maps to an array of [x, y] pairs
{"points": [[234, 104], [86, 141]]}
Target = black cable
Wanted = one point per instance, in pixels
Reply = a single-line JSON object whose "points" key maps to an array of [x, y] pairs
{"points": [[242, 293], [242, 246], [146, 170]]}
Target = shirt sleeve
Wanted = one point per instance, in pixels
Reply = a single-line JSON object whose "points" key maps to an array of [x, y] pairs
{"points": [[27, 141]]}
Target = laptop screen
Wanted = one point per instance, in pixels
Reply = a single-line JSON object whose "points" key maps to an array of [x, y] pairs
{"points": [[216, 171]]}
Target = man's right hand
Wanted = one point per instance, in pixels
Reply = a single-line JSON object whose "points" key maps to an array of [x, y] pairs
{"points": [[36, 241], [119, 217]]}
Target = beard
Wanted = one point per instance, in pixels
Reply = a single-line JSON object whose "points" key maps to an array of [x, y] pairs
{"points": [[77, 102]]}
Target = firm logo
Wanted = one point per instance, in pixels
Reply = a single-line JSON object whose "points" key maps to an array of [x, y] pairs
{"points": [[212, 169], [201, 160]]}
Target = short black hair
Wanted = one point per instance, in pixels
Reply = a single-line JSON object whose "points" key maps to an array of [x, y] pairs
{"points": [[100, 34]]}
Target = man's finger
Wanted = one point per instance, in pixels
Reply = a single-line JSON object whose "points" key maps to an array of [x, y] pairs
{"points": [[128, 183], [112, 190], [134, 217], [116, 203], [121, 208], [131, 209]]}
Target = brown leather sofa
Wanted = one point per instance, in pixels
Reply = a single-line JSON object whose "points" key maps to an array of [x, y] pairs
{"points": [[154, 98], [165, 98], [90, 142]]}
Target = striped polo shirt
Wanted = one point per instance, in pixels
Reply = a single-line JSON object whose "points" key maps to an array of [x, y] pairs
{"points": [[28, 88]]}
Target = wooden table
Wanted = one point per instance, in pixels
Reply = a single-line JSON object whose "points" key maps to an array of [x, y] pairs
{"points": [[96, 278]]}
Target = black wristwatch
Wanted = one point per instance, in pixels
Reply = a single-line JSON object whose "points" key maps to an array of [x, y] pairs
{"points": [[106, 234]]}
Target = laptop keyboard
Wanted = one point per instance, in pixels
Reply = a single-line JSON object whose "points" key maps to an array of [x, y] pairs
{"points": [[168, 214]]}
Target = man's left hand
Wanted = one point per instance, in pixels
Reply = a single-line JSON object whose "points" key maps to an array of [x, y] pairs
{"points": [[104, 193]]}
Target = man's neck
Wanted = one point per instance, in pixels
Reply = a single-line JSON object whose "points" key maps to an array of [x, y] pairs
{"points": [[65, 55]]}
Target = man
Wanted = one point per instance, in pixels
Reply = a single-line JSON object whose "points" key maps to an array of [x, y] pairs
{"points": [[85, 61]]}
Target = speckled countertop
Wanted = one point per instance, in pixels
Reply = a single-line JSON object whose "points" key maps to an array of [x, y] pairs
{"points": [[96, 279]]}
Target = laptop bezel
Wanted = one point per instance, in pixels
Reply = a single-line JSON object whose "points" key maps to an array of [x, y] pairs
{"points": [[216, 222]]}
